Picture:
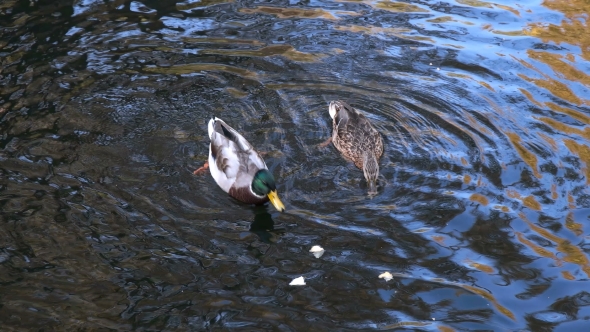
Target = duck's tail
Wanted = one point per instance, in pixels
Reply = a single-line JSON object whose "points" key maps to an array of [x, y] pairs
{"points": [[371, 170]]}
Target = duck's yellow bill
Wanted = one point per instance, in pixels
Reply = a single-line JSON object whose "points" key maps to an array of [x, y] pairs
{"points": [[274, 199]]}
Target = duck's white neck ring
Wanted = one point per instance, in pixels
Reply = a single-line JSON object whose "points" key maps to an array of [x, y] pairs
{"points": [[255, 194]]}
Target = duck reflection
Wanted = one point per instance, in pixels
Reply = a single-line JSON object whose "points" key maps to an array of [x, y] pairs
{"points": [[263, 225]]}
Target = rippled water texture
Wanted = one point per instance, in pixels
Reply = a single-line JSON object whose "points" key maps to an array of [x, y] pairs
{"points": [[483, 206]]}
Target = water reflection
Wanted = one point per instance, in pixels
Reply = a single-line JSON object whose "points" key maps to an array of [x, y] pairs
{"points": [[263, 225], [482, 106]]}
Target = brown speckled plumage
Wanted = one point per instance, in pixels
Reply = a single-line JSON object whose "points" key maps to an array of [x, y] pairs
{"points": [[356, 139]]}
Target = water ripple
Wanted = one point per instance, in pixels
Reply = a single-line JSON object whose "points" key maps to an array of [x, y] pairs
{"points": [[483, 195]]}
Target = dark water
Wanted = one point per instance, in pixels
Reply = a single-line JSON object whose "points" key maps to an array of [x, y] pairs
{"points": [[483, 210]]}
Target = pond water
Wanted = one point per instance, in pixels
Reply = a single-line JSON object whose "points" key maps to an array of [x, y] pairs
{"points": [[482, 215]]}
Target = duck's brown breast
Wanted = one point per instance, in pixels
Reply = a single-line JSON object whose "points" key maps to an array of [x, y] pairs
{"points": [[246, 196]]}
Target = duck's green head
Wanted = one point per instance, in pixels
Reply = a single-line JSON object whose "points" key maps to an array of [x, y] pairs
{"points": [[264, 184]]}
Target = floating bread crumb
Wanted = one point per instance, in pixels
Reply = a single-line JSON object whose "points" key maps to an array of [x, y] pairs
{"points": [[297, 281], [317, 251], [386, 275]]}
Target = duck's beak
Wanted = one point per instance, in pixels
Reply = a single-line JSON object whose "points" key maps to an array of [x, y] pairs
{"points": [[274, 199]]}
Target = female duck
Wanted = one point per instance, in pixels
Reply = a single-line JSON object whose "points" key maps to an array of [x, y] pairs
{"points": [[357, 140], [237, 168]]}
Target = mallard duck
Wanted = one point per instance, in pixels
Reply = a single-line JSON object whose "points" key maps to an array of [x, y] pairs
{"points": [[357, 140], [237, 168]]}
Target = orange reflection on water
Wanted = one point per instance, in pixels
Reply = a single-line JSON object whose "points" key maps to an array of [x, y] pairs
{"points": [[527, 156], [549, 140], [568, 111], [476, 3], [583, 152], [554, 86], [571, 201], [565, 129], [555, 61], [392, 6], [399, 7], [480, 182], [573, 226], [199, 4], [486, 85], [491, 29], [502, 208], [284, 50], [199, 67], [473, 122], [444, 19], [482, 83], [554, 194], [481, 267], [528, 201], [485, 4], [372, 30], [439, 239], [539, 250], [530, 97], [572, 31], [490, 298], [557, 88], [466, 179], [478, 198], [508, 8], [571, 253]]}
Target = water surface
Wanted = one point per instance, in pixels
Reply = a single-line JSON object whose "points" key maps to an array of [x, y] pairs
{"points": [[483, 204]]}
